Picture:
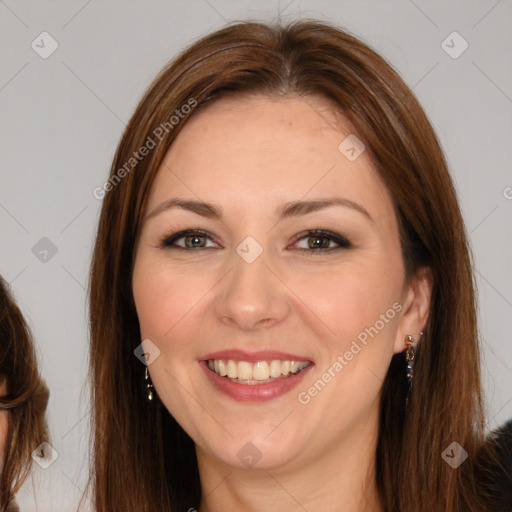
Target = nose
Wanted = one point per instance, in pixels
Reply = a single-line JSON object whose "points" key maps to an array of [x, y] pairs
{"points": [[252, 296]]}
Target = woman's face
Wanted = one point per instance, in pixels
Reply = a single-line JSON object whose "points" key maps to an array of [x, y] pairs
{"points": [[253, 294]]}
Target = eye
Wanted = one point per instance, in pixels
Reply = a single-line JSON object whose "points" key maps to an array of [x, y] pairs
{"points": [[319, 241], [193, 239]]}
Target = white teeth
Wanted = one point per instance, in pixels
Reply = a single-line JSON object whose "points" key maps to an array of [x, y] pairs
{"points": [[275, 369], [259, 371], [232, 369], [294, 366], [244, 370], [223, 371]]}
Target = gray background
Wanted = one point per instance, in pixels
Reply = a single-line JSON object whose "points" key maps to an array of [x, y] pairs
{"points": [[62, 117]]}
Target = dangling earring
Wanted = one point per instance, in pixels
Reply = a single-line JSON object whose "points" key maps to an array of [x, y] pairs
{"points": [[149, 386], [409, 359]]}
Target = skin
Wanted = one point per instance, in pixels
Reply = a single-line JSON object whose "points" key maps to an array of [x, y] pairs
{"points": [[250, 156]]}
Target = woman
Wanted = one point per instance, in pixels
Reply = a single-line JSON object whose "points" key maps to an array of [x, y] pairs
{"points": [[23, 400], [281, 246]]}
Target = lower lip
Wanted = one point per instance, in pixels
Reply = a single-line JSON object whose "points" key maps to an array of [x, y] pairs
{"points": [[254, 392]]}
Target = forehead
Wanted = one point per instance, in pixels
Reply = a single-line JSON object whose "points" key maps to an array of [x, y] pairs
{"points": [[257, 150], [262, 129]]}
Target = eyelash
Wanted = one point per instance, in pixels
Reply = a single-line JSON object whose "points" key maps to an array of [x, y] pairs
{"points": [[343, 243]]}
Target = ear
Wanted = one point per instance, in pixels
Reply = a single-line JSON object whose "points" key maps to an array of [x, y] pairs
{"points": [[415, 308]]}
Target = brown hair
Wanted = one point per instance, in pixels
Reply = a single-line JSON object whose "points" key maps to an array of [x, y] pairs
{"points": [[26, 400], [143, 460]]}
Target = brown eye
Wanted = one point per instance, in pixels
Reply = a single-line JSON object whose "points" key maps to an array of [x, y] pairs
{"points": [[192, 239], [320, 241]]}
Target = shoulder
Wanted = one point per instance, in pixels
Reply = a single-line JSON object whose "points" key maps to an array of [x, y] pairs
{"points": [[495, 466], [12, 507]]}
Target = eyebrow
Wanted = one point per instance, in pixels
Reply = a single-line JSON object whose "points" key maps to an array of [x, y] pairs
{"points": [[292, 209]]}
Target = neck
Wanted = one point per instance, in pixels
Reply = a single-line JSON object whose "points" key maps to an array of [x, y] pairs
{"points": [[342, 478]]}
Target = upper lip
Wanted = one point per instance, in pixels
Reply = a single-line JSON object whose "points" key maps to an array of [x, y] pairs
{"points": [[262, 355]]}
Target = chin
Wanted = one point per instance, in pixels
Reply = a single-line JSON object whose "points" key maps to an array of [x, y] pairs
{"points": [[257, 451]]}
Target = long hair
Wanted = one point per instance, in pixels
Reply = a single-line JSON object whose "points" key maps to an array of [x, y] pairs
{"points": [[143, 460], [26, 399]]}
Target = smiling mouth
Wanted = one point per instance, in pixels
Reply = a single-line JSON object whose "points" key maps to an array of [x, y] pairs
{"points": [[260, 372]]}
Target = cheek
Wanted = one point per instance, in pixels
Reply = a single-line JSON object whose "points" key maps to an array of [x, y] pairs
{"points": [[351, 298], [167, 298], [362, 311], [359, 307]]}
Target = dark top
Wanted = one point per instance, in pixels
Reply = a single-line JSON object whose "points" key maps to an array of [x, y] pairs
{"points": [[501, 480]]}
